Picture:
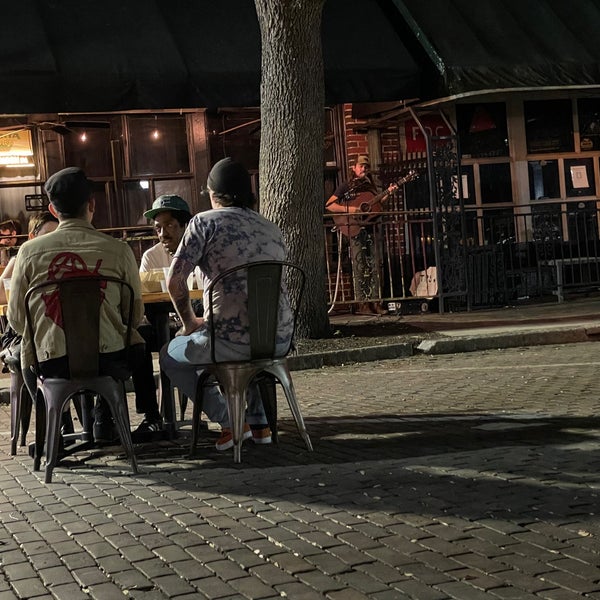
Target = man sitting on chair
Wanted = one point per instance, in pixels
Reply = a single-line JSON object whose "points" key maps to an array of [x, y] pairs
{"points": [[229, 235], [76, 248]]}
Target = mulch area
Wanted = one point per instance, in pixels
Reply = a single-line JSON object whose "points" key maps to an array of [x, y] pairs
{"points": [[363, 335]]}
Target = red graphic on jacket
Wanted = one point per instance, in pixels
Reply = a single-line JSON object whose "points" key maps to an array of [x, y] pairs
{"points": [[66, 265]]}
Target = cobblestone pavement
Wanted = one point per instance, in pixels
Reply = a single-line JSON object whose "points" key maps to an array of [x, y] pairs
{"points": [[473, 475]]}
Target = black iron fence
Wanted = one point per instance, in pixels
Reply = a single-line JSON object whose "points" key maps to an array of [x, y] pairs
{"points": [[536, 251], [510, 255]]}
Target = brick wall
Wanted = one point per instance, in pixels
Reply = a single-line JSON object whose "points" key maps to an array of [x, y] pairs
{"points": [[356, 138]]}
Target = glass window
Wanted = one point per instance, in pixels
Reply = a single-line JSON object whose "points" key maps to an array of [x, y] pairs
{"points": [[548, 126], [16, 152], [498, 226], [543, 179], [103, 217], [87, 145], [158, 144], [482, 129], [496, 185], [579, 177], [181, 187], [137, 200], [588, 110]]}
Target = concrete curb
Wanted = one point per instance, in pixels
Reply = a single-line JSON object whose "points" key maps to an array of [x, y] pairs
{"points": [[446, 345], [506, 340], [334, 358]]}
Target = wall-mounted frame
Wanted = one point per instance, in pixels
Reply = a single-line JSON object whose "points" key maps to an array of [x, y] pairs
{"points": [[579, 177]]}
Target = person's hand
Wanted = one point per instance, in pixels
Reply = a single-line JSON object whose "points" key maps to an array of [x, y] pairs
{"points": [[190, 326], [392, 188]]}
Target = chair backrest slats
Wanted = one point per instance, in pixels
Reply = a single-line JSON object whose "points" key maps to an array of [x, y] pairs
{"points": [[263, 282], [80, 300], [264, 289]]}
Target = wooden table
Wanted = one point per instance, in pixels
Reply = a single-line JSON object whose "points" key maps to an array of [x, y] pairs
{"points": [[161, 308]]}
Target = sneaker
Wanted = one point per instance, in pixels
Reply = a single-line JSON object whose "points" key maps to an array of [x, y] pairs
{"points": [[226, 440], [261, 435], [150, 425]]}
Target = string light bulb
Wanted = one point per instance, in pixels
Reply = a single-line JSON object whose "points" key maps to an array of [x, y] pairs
{"points": [[155, 133]]}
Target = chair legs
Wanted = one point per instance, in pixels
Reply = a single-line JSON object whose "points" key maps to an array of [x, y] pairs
{"points": [[183, 402], [20, 410], [196, 415], [121, 417], [51, 400], [236, 399], [235, 379], [282, 374]]}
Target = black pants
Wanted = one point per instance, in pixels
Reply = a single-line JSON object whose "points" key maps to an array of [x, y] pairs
{"points": [[137, 365]]}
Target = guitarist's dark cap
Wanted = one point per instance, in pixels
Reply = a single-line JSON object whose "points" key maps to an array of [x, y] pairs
{"points": [[232, 179], [363, 160]]}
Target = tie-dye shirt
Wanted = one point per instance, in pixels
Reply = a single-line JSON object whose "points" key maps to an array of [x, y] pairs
{"points": [[220, 239]]}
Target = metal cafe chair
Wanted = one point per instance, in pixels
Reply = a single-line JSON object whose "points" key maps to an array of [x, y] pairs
{"points": [[79, 299], [20, 410], [20, 404], [264, 281], [20, 400]]}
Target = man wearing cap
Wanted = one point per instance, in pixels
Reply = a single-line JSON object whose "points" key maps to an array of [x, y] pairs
{"points": [[171, 215], [76, 248], [364, 252], [229, 235]]}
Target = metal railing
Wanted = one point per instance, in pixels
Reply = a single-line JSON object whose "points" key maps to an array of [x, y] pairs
{"points": [[512, 254]]}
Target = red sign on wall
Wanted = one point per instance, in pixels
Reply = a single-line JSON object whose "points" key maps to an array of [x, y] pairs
{"points": [[415, 140]]}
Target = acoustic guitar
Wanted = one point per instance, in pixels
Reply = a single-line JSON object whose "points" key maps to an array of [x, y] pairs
{"points": [[350, 224]]}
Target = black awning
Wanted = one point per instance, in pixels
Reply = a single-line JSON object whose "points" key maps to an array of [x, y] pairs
{"points": [[496, 44], [84, 56]]}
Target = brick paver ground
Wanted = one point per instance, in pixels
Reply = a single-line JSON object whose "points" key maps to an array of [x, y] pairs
{"points": [[464, 476]]}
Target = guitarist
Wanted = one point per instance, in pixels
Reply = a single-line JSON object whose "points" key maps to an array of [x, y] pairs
{"points": [[365, 253]]}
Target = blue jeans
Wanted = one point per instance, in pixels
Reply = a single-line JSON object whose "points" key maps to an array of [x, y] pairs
{"points": [[182, 360]]}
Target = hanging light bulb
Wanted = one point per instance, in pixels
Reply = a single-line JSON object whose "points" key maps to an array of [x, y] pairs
{"points": [[155, 133], [83, 136]]}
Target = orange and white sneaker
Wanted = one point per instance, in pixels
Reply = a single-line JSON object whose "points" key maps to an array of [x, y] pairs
{"points": [[226, 440], [261, 435]]}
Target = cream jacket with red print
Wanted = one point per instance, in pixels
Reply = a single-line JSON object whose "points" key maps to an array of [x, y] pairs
{"points": [[75, 248]]}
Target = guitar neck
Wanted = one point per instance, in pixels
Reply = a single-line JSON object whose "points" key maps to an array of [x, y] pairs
{"points": [[379, 197], [383, 195]]}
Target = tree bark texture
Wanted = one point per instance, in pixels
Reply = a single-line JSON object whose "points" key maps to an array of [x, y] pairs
{"points": [[291, 147]]}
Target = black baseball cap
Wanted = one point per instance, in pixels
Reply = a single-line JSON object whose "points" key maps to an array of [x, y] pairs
{"points": [[68, 189], [231, 178]]}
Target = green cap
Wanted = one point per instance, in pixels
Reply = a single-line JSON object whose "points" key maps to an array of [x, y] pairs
{"points": [[171, 202]]}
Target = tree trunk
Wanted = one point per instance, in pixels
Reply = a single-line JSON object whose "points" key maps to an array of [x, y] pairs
{"points": [[291, 146]]}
